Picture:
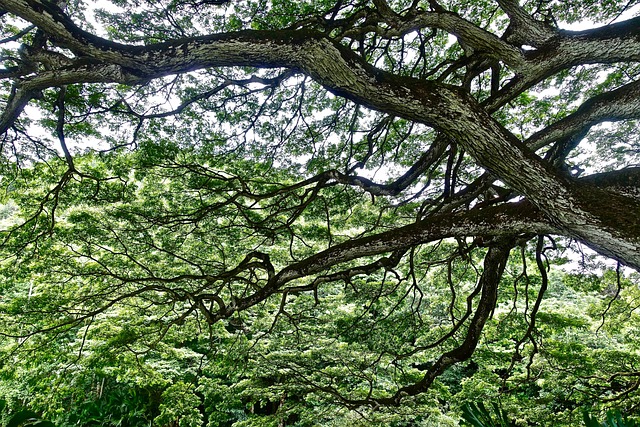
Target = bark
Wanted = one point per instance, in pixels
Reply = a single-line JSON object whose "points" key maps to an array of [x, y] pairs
{"points": [[524, 29], [620, 104], [497, 222]]}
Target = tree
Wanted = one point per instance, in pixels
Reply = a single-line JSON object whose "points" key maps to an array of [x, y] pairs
{"points": [[249, 163]]}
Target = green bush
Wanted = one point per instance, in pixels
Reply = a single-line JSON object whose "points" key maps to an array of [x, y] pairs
{"points": [[614, 419]]}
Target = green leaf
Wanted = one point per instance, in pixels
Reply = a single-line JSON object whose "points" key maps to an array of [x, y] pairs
{"points": [[22, 417]]}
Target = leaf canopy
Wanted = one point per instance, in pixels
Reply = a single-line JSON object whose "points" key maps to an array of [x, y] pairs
{"points": [[274, 212]]}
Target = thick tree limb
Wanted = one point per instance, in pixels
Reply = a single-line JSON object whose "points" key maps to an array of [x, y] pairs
{"points": [[477, 38], [18, 100], [505, 220], [614, 43], [624, 181], [620, 104], [525, 29], [496, 222]]}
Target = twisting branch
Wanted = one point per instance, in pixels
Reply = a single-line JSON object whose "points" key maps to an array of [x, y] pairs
{"points": [[426, 160], [494, 264], [620, 104], [60, 105], [525, 29], [531, 328], [613, 298], [18, 35], [18, 100]]}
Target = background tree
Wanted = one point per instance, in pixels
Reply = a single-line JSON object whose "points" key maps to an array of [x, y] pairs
{"points": [[255, 206]]}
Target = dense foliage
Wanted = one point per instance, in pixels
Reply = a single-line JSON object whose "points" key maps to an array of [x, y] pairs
{"points": [[319, 213]]}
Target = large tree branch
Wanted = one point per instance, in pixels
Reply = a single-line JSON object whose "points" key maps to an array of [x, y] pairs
{"points": [[497, 222], [624, 181], [524, 29], [494, 223], [473, 36], [29, 88], [18, 100], [613, 43], [620, 104], [607, 44]]}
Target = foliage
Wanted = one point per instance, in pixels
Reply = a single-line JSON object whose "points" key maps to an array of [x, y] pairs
{"points": [[477, 415], [180, 406], [303, 213], [613, 419], [24, 417]]}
